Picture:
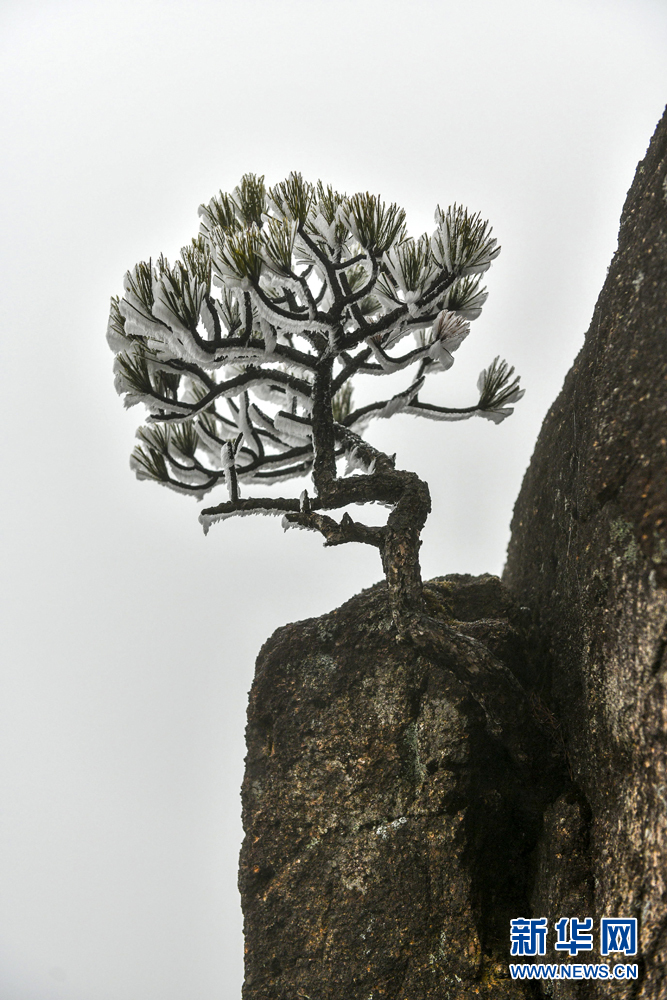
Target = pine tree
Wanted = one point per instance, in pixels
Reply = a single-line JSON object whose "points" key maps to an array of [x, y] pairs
{"points": [[246, 349]]}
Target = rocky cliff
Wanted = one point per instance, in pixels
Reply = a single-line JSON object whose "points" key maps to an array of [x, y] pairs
{"points": [[406, 797], [393, 800], [588, 555]]}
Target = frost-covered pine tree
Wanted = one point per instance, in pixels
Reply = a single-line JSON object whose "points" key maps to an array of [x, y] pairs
{"points": [[246, 349]]}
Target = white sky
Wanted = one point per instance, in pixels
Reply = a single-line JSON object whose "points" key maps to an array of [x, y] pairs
{"points": [[129, 638]]}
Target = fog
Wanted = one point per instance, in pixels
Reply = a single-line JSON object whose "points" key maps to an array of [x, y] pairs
{"points": [[129, 638]]}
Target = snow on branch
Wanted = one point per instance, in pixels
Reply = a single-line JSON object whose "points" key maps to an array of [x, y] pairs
{"points": [[286, 294]]}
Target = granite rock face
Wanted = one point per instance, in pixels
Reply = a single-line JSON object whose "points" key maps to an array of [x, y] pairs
{"points": [[588, 554], [393, 800], [405, 798]]}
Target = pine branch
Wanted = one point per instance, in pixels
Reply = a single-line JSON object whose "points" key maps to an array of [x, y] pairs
{"points": [[286, 295]]}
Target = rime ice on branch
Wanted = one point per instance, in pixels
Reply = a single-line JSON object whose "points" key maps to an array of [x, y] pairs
{"points": [[245, 350]]}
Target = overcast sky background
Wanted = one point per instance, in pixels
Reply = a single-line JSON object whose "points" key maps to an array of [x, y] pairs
{"points": [[128, 637]]}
